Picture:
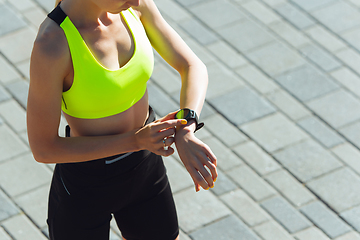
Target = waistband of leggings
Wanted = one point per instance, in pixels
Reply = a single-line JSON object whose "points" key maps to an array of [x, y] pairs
{"points": [[112, 159]]}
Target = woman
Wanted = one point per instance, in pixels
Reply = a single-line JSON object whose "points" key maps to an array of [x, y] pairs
{"points": [[91, 59]]}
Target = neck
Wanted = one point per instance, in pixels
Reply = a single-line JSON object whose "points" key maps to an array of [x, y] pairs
{"points": [[84, 13]]}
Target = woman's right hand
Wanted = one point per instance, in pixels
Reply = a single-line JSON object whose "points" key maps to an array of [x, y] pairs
{"points": [[157, 136]]}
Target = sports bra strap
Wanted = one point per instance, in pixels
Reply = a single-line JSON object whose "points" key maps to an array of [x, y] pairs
{"points": [[57, 15]]}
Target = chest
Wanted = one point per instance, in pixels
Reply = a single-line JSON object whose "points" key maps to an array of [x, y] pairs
{"points": [[112, 45]]}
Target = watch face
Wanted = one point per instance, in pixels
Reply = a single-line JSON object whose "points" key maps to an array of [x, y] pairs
{"points": [[183, 114]]}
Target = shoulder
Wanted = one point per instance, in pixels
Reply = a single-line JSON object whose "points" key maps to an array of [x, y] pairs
{"points": [[50, 43]]}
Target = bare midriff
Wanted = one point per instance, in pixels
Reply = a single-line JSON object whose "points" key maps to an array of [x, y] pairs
{"points": [[133, 118]]}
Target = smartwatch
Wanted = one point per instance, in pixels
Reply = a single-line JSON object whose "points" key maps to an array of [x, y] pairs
{"points": [[189, 115]]}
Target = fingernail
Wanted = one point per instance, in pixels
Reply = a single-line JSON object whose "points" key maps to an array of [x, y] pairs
{"points": [[215, 179], [212, 186], [207, 188], [183, 121]]}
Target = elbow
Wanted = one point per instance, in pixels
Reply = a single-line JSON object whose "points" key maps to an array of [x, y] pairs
{"points": [[43, 153]]}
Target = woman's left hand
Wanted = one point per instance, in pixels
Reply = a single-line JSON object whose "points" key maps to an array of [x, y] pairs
{"points": [[195, 155]]}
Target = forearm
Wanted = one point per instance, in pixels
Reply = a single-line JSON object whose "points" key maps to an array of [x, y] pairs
{"points": [[81, 149], [194, 85]]}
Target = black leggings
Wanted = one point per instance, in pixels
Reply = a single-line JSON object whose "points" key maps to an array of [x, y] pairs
{"points": [[135, 189]]}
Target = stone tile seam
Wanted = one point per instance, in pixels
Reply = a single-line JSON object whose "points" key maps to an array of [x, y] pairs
{"points": [[331, 211], [21, 13], [15, 156], [7, 231], [12, 65], [29, 218], [276, 220]]}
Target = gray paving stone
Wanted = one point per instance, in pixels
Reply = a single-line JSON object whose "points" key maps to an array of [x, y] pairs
{"points": [[198, 31], [250, 182], [285, 214], [320, 131], [272, 230], [246, 35], [306, 83], [24, 68], [307, 160], [275, 58], [226, 54], [28, 230], [326, 38], [226, 158], [349, 236], [172, 10], [224, 131], [257, 79], [325, 219], [274, 132], [179, 178], [23, 174], [350, 57], [188, 3], [225, 229], [320, 57], [35, 15], [47, 5], [339, 16], [4, 235], [339, 189], [34, 204], [206, 111], [19, 90], [337, 108], [221, 81], [7, 207], [196, 209], [9, 20], [349, 155], [4, 95], [160, 101], [257, 158], [16, 46], [352, 217], [252, 105], [7, 72], [23, 5], [348, 79], [348, 132], [289, 33], [294, 16], [353, 37], [200, 50], [223, 184], [249, 211], [163, 76], [10, 143], [290, 188], [273, 3], [14, 115], [225, 12], [310, 5], [261, 12], [312, 233], [288, 104]]}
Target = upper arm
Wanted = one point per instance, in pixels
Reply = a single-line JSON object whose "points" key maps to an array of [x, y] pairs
{"points": [[164, 38], [48, 67]]}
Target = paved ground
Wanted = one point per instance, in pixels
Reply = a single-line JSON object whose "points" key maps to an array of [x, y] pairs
{"points": [[282, 115]]}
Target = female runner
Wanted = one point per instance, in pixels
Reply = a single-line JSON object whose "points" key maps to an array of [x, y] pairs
{"points": [[92, 59]]}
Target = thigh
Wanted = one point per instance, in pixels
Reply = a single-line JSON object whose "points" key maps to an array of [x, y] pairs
{"points": [[153, 219], [150, 213], [74, 218]]}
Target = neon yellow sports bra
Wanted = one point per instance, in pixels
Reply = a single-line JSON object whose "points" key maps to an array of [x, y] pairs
{"points": [[96, 91]]}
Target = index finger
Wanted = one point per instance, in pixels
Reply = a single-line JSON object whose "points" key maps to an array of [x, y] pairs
{"points": [[169, 124]]}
